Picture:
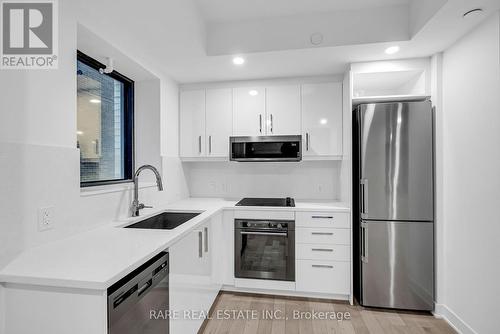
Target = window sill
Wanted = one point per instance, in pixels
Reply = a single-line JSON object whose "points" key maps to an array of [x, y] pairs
{"points": [[113, 188]]}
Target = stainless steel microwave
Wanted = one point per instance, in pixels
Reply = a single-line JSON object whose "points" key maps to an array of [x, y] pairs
{"points": [[265, 148]]}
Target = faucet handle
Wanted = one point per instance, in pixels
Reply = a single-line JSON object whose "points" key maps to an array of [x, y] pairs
{"points": [[142, 206]]}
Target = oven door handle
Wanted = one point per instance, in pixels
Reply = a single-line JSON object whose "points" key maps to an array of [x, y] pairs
{"points": [[265, 233]]}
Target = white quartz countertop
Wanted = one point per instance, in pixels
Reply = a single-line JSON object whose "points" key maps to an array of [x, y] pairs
{"points": [[98, 258]]}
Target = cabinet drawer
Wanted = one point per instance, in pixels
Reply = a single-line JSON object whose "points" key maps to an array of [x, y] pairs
{"points": [[323, 276], [329, 236], [323, 252], [322, 219]]}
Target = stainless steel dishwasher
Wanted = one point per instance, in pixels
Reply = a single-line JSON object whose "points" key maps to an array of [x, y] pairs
{"points": [[138, 303]]}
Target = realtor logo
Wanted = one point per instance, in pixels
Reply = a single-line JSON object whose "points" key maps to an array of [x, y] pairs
{"points": [[29, 39]]}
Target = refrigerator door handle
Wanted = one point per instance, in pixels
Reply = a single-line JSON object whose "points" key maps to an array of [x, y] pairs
{"points": [[364, 243], [363, 184]]}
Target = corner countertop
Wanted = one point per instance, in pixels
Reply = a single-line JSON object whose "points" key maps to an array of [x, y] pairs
{"points": [[98, 258]]}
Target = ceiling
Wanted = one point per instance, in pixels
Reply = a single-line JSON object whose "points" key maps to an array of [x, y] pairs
{"points": [[176, 37], [235, 10]]}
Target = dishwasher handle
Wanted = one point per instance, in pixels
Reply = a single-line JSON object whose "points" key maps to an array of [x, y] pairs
{"points": [[127, 292], [145, 286], [124, 296]]}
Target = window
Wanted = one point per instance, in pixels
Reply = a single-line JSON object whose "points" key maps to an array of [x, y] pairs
{"points": [[105, 112]]}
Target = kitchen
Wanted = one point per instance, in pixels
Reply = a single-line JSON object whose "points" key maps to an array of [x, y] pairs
{"points": [[270, 142]]}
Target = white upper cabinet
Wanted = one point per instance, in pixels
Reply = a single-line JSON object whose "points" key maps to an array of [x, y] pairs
{"points": [[208, 117], [283, 110], [192, 123], [219, 121], [322, 120], [249, 111]]}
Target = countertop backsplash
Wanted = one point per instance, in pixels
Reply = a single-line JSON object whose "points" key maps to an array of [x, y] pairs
{"points": [[310, 180]]}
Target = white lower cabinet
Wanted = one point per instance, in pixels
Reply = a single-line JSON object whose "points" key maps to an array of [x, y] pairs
{"points": [[193, 282], [323, 236], [319, 276], [323, 253]]}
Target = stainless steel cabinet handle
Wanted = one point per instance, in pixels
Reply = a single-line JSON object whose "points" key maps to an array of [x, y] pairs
{"points": [[209, 144], [271, 117], [322, 266], [322, 233], [206, 239], [264, 233], [199, 144], [307, 141], [322, 217], [321, 249], [200, 244], [260, 123]]}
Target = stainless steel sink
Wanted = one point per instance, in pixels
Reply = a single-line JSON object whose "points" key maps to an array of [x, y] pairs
{"points": [[165, 221]]}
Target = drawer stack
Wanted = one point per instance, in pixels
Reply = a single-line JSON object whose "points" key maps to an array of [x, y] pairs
{"points": [[323, 252]]}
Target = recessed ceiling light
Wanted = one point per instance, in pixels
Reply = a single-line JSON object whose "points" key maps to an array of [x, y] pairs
{"points": [[253, 92], [238, 60], [79, 133], [392, 50], [95, 101], [323, 121], [473, 13]]}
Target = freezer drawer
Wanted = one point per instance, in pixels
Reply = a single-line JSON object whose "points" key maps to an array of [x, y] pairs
{"points": [[397, 266]]}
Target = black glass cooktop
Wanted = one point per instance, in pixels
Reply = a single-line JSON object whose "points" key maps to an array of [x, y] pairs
{"points": [[267, 202]]}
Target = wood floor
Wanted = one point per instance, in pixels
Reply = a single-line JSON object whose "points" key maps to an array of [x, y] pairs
{"points": [[239, 313]]}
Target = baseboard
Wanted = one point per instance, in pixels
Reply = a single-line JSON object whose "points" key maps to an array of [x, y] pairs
{"points": [[288, 294], [442, 311]]}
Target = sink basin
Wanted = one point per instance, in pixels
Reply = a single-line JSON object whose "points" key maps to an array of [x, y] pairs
{"points": [[165, 220]]}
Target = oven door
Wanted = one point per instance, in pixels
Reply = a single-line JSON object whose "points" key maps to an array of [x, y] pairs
{"points": [[266, 148], [264, 254]]}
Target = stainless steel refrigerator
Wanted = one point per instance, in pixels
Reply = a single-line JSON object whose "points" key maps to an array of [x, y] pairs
{"points": [[395, 206]]}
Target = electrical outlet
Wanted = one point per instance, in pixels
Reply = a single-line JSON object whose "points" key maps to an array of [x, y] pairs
{"points": [[45, 219]]}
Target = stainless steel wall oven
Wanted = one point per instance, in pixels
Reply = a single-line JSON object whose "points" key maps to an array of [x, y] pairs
{"points": [[264, 249]]}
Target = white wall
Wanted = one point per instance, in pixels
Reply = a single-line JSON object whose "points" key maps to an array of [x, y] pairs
{"points": [[147, 125], [306, 180], [471, 165]]}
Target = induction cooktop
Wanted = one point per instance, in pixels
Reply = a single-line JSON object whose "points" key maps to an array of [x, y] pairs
{"points": [[267, 202]]}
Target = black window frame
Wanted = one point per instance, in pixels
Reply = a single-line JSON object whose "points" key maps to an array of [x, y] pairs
{"points": [[128, 123]]}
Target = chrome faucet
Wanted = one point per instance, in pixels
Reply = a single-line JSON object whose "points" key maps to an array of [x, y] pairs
{"points": [[136, 206]]}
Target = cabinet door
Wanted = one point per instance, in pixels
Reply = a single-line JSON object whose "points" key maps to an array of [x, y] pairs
{"points": [[219, 119], [186, 279], [283, 110], [212, 282], [249, 111], [322, 119], [192, 123]]}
